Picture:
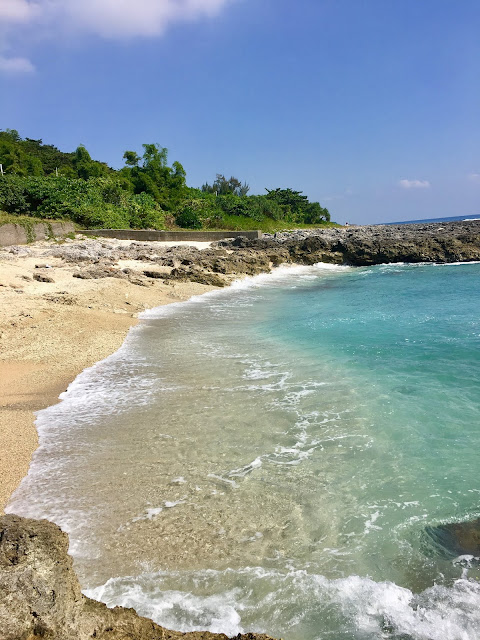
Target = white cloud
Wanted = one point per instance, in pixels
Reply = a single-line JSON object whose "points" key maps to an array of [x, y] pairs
{"points": [[14, 11], [474, 177], [108, 18], [15, 65], [414, 184]]}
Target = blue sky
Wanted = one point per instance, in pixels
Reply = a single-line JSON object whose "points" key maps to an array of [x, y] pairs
{"points": [[371, 107]]}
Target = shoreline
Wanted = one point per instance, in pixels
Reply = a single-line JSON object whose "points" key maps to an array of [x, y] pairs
{"points": [[66, 305], [55, 322], [50, 333]]}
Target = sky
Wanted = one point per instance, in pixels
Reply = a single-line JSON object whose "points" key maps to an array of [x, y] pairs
{"points": [[371, 107]]}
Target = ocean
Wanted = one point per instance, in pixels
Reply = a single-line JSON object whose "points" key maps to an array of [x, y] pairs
{"points": [[268, 457], [447, 219]]}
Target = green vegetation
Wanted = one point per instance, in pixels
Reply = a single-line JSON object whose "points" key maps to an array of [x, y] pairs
{"points": [[8, 218], [41, 181], [28, 223]]}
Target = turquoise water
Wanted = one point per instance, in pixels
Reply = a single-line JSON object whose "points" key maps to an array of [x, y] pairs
{"points": [[267, 457]]}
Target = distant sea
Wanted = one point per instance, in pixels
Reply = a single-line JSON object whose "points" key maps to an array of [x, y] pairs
{"points": [[448, 219], [268, 457]]}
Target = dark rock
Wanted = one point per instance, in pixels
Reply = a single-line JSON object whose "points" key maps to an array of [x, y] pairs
{"points": [[100, 272], [40, 595], [369, 245], [197, 275], [140, 281], [278, 256], [456, 538], [61, 297], [240, 241], [41, 277]]}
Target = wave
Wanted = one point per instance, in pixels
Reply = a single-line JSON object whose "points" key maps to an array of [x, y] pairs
{"points": [[291, 602], [279, 276]]}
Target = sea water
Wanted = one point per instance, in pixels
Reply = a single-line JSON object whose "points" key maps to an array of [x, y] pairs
{"points": [[463, 218], [267, 457]]}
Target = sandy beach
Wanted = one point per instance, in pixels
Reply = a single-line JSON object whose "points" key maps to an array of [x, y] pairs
{"points": [[51, 331], [66, 305]]}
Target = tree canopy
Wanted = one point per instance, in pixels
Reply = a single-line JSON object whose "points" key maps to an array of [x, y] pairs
{"points": [[39, 179]]}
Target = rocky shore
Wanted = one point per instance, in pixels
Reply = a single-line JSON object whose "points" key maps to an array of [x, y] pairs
{"points": [[40, 596], [226, 260], [64, 306], [143, 263]]}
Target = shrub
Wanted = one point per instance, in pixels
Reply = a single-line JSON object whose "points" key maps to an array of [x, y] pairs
{"points": [[145, 213], [188, 218], [12, 196]]}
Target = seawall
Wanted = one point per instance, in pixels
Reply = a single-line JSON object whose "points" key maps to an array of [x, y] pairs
{"points": [[11, 234], [150, 235]]}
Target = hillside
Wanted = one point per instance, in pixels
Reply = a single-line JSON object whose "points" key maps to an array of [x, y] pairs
{"points": [[39, 180]]}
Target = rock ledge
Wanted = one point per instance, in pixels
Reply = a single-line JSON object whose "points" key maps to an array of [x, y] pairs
{"points": [[40, 596]]}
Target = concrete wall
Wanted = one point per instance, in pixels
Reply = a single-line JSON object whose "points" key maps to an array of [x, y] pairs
{"points": [[16, 234], [170, 236]]}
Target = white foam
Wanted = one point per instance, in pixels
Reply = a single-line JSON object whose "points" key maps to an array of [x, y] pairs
{"points": [[370, 523], [261, 600], [246, 469], [278, 275], [150, 514], [169, 504], [226, 481]]}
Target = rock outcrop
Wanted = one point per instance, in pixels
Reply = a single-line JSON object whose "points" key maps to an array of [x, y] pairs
{"points": [[226, 260], [40, 596], [355, 246], [369, 245]]}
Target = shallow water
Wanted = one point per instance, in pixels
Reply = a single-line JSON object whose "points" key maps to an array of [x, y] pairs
{"points": [[267, 457]]}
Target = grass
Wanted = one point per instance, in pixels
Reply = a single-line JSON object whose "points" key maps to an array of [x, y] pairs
{"points": [[268, 225], [230, 223], [28, 223], [10, 218]]}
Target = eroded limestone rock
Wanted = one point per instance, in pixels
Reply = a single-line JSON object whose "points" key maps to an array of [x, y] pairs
{"points": [[40, 596]]}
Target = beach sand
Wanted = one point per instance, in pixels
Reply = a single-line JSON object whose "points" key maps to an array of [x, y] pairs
{"points": [[51, 331]]}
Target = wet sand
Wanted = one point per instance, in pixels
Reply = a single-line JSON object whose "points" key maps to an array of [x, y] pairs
{"points": [[51, 331]]}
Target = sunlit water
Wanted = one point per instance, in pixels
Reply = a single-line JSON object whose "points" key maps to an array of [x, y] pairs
{"points": [[266, 458]]}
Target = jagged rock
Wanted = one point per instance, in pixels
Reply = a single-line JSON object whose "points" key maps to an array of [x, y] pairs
{"points": [[311, 250], [140, 281], [357, 246], [241, 263], [369, 245], [240, 241], [61, 297], [278, 256], [196, 275], [100, 272], [41, 277], [40, 596]]}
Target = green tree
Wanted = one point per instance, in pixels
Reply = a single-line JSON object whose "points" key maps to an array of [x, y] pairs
{"points": [[131, 158], [151, 174], [221, 186], [84, 165]]}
